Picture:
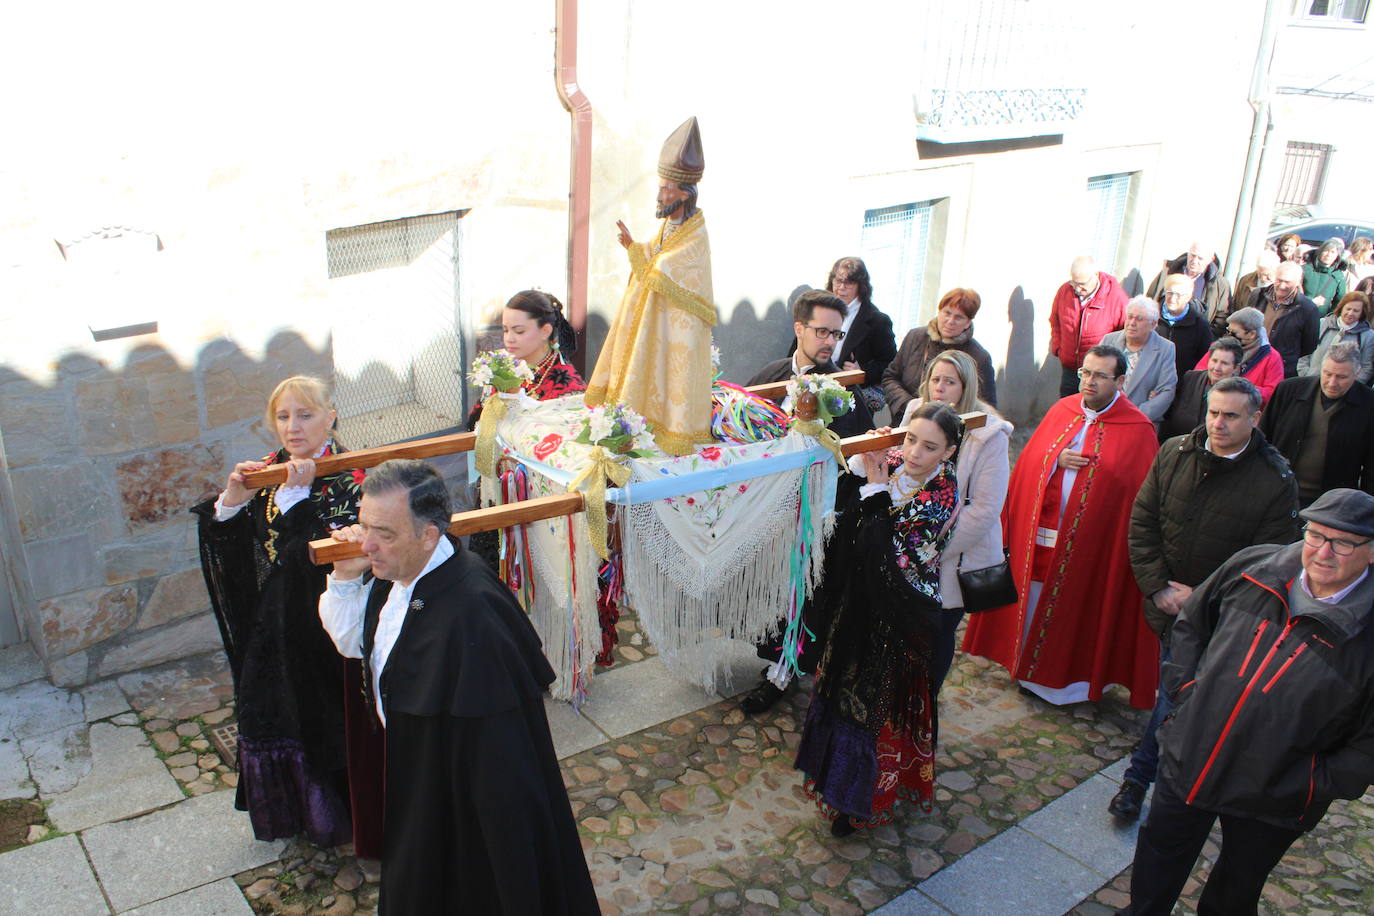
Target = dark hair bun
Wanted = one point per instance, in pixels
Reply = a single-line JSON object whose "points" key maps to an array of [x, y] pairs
{"points": [[546, 309]]}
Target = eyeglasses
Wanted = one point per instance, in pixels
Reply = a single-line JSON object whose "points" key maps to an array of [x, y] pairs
{"points": [[1341, 547], [1100, 376], [823, 333], [844, 281], [1170, 294]]}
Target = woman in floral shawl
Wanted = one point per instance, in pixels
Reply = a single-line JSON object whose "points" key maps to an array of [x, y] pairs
{"points": [[533, 329], [870, 732], [289, 683]]}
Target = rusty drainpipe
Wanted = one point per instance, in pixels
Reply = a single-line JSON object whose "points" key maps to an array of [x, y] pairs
{"points": [[579, 193]]}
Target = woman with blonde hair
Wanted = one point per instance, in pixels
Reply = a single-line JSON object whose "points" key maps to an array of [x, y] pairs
{"points": [[983, 470], [288, 680]]}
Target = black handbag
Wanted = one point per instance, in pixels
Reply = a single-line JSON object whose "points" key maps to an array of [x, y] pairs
{"points": [[989, 587]]}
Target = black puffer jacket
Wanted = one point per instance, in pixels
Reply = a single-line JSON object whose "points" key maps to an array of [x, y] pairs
{"points": [[1274, 714], [1196, 509]]}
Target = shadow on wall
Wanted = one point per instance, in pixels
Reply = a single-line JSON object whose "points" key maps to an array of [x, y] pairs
{"points": [[100, 467], [746, 341], [1028, 382]]}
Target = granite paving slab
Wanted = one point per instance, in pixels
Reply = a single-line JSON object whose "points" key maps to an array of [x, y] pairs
{"points": [[103, 700], [634, 697], [50, 877], [37, 707], [1014, 872], [125, 778], [18, 665], [58, 760], [912, 903], [572, 732], [181, 689], [220, 898], [15, 781], [1078, 824], [176, 849], [1117, 771]]}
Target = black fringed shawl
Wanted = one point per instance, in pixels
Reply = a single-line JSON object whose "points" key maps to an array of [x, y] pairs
{"points": [[876, 667]]}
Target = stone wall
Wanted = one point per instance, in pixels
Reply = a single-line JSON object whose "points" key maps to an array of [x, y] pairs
{"points": [[103, 464]]}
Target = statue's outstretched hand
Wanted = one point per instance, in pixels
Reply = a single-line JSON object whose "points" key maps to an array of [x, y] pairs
{"points": [[624, 235]]}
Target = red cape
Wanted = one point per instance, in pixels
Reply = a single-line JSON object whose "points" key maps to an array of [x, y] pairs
{"points": [[1089, 624]]}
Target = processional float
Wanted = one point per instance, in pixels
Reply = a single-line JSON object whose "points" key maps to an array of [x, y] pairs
{"points": [[718, 522], [735, 566]]}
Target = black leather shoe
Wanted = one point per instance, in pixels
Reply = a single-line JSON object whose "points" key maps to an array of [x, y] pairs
{"points": [[761, 698], [842, 826], [1125, 805]]}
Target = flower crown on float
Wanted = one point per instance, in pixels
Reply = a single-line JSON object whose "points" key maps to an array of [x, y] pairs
{"points": [[500, 371], [617, 429], [832, 399]]}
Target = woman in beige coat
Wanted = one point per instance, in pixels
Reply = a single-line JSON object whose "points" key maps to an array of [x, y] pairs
{"points": [[983, 469]]}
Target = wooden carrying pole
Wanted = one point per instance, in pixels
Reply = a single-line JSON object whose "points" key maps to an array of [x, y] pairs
{"points": [[367, 458], [458, 442], [328, 550]]}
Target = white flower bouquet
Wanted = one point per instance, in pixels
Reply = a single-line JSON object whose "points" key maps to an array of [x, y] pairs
{"points": [[832, 399], [498, 370], [617, 429]]}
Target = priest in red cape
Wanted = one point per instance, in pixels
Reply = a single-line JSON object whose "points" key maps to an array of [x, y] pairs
{"points": [[1077, 626]]}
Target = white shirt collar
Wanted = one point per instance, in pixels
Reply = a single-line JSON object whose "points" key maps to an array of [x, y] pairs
{"points": [[796, 368], [1094, 414], [1234, 455], [1331, 599], [441, 552]]}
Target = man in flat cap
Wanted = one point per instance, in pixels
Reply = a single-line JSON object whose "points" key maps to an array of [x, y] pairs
{"points": [[657, 355], [1272, 678]]}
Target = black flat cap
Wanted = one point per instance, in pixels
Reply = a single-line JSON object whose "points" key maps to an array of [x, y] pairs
{"points": [[1343, 509]]}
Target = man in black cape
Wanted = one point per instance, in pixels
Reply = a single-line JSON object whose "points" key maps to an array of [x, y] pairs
{"points": [[477, 819]]}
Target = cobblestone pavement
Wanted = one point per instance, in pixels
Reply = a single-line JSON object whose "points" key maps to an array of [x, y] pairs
{"points": [[703, 813]]}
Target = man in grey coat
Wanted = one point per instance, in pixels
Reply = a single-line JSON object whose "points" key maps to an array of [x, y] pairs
{"points": [[1209, 493], [1151, 373], [1272, 677]]}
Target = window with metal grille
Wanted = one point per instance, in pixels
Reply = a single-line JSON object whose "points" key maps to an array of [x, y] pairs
{"points": [[895, 247], [1108, 199], [398, 341], [1336, 10], [1304, 174]]}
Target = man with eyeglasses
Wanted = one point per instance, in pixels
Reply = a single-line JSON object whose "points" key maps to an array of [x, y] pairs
{"points": [[1181, 322], [1272, 678], [1211, 492], [1209, 285], [818, 318], [1076, 626]]}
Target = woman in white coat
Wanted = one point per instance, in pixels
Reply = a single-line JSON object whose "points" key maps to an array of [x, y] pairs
{"points": [[983, 469]]}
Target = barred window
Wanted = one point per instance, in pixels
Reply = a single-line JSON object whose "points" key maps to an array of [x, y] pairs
{"points": [[1304, 174], [398, 338], [895, 246], [1108, 210]]}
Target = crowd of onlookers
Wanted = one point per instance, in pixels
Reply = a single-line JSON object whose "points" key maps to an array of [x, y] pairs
{"points": [[1193, 520]]}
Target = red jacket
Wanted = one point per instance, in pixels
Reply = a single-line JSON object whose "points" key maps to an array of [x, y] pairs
{"points": [[1266, 371], [1075, 328]]}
